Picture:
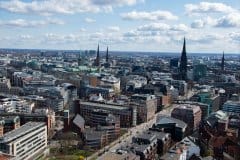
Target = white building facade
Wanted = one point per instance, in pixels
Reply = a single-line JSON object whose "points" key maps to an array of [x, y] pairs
{"points": [[25, 142]]}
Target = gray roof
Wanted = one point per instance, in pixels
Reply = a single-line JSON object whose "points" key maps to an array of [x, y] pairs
{"points": [[23, 130], [79, 121], [139, 147], [160, 135], [169, 120], [104, 106], [147, 135], [175, 151]]}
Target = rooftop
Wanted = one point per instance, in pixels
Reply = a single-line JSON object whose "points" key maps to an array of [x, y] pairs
{"points": [[235, 103], [119, 155], [187, 107], [23, 130], [139, 147], [79, 121], [169, 120], [106, 106], [143, 96], [147, 135], [175, 151]]}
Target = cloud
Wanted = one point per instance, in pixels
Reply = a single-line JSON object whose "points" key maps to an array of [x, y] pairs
{"points": [[27, 23], [89, 20], [198, 23], [113, 28], [150, 16], [201, 23], [82, 30], [96, 35], [230, 20], [154, 27], [25, 37], [131, 34], [179, 28], [156, 32], [227, 21], [163, 27], [115, 2], [106, 38], [63, 6], [51, 38], [208, 7], [235, 36], [204, 38]]}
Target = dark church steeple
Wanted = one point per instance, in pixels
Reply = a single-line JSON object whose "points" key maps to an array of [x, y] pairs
{"points": [[107, 56], [183, 62], [222, 64], [97, 60]]}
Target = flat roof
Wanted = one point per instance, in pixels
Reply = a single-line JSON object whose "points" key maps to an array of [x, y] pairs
{"points": [[117, 156], [23, 130], [107, 106], [175, 151], [147, 135], [168, 120], [140, 147]]}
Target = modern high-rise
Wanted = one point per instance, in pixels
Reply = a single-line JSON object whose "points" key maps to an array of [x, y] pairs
{"points": [[26, 142], [183, 63]]}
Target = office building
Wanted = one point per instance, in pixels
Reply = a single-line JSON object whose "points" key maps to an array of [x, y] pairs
{"points": [[5, 85], [199, 71], [95, 139], [125, 113], [146, 105], [175, 127], [231, 107], [190, 114], [26, 142], [9, 123], [111, 82]]}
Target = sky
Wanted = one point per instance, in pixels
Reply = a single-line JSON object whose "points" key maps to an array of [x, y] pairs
{"points": [[211, 26]]}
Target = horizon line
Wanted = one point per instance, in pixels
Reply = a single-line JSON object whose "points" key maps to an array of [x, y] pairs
{"points": [[207, 52]]}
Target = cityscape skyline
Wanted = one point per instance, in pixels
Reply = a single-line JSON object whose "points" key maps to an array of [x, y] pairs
{"points": [[136, 25]]}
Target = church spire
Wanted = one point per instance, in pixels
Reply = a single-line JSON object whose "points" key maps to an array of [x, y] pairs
{"points": [[97, 60], [183, 62], [223, 60], [184, 47], [107, 55]]}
